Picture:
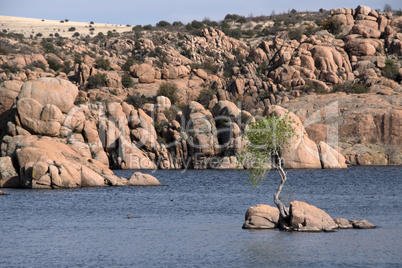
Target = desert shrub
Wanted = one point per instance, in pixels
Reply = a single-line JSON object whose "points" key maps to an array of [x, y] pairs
{"points": [[250, 33], [351, 88], [96, 81], [102, 63], [137, 28], [36, 64], [228, 67], [295, 34], [4, 51], [236, 33], [177, 23], [390, 70], [39, 35], [171, 113], [197, 24], [332, 26], [126, 81], [71, 29], [49, 47], [205, 96], [163, 23], [241, 20], [76, 34], [67, 67], [147, 27], [137, 100], [54, 64], [310, 30], [126, 66], [7, 68], [208, 65], [168, 89]]}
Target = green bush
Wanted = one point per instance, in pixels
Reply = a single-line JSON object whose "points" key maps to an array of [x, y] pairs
{"points": [[49, 47], [136, 100], [197, 24], [163, 23], [126, 81], [126, 66], [390, 70], [205, 96], [351, 88], [76, 34], [147, 27], [54, 64], [4, 51], [295, 34], [333, 26], [102, 63], [236, 33], [96, 81], [71, 29], [177, 23], [168, 89]]}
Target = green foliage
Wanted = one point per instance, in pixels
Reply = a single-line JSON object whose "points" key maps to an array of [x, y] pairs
{"points": [[102, 63], [250, 33], [49, 47], [168, 89], [333, 26], [228, 67], [147, 27], [96, 81], [76, 34], [126, 81], [54, 64], [205, 96], [390, 70], [163, 23], [293, 11], [137, 28], [225, 27], [236, 33], [126, 66], [4, 51], [295, 34], [7, 68], [351, 88], [136, 100], [209, 65], [197, 24], [266, 139], [177, 23], [71, 29]]}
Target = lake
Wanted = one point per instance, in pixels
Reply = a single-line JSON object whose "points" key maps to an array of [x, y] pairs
{"points": [[195, 221]]}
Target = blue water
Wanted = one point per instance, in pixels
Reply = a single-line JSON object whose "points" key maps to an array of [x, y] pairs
{"points": [[89, 227]]}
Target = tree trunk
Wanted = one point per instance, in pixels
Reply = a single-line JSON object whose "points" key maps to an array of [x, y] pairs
{"points": [[284, 213]]}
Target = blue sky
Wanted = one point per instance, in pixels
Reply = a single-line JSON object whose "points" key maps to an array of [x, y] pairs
{"points": [[152, 11]]}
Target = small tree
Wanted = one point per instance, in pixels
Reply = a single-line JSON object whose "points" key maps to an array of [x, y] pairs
{"points": [[266, 140], [168, 89]]}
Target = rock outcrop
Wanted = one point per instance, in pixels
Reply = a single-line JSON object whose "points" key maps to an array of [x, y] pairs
{"points": [[308, 218], [261, 217]]}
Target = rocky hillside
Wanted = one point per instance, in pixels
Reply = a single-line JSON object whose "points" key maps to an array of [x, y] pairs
{"points": [[176, 96]]}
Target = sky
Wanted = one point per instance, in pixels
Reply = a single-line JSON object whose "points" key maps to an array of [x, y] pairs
{"points": [[145, 12]]}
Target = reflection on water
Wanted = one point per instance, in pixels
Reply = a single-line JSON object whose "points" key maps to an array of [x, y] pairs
{"points": [[89, 227]]}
